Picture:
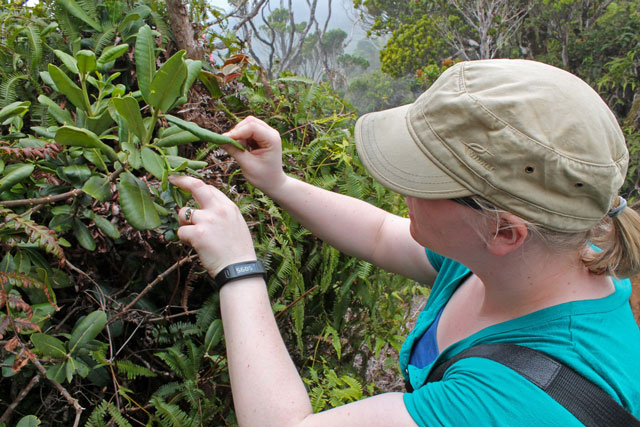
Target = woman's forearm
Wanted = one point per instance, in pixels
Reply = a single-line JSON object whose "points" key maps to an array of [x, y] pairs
{"points": [[267, 389]]}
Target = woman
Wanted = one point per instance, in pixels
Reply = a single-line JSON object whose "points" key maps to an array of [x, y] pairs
{"points": [[510, 170]]}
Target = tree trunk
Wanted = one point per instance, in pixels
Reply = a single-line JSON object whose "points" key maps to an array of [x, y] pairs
{"points": [[183, 30]]}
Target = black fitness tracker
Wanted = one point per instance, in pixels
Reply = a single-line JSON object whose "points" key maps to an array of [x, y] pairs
{"points": [[240, 271]]}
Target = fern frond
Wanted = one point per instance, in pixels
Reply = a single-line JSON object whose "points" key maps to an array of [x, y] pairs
{"points": [[104, 39], [66, 23], [8, 87], [89, 6], [171, 415], [35, 45], [168, 389], [45, 238], [133, 371], [209, 311], [117, 417], [96, 419], [162, 26]]}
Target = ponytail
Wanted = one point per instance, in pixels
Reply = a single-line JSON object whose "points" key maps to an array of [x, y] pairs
{"points": [[619, 240]]}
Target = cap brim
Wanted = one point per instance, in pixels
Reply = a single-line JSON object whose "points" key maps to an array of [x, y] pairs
{"points": [[392, 157]]}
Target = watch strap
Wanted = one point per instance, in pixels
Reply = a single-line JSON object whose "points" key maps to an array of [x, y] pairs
{"points": [[240, 271]]}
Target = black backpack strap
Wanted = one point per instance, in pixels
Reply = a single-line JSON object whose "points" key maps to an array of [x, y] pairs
{"points": [[586, 401]]}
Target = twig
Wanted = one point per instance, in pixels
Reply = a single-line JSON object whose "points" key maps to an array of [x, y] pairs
{"points": [[57, 197], [73, 402], [21, 396], [150, 286], [296, 301]]}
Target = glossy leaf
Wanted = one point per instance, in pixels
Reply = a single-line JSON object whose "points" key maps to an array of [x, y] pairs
{"points": [[145, 60], [17, 108], [106, 226], [48, 345], [98, 187], [68, 88], [152, 162], [83, 235], [69, 61], [214, 335], [78, 137], [15, 175], [111, 53], [167, 84], [57, 372], [86, 61], [29, 421], [177, 161], [136, 203], [86, 330], [180, 138], [129, 109], [61, 116]]}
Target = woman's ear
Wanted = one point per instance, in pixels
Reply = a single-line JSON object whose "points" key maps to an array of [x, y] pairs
{"points": [[509, 234]]}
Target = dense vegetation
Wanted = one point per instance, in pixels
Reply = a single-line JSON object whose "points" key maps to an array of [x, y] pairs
{"points": [[105, 319]]}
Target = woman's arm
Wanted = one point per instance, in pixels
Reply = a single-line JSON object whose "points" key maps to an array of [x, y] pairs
{"points": [[350, 225], [267, 389]]}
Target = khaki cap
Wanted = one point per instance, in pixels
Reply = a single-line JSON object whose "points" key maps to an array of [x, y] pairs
{"points": [[530, 138]]}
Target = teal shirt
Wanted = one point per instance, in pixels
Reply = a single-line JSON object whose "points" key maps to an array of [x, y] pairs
{"points": [[597, 338]]}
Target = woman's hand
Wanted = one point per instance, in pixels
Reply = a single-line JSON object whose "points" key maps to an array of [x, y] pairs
{"points": [[217, 231], [261, 163]]}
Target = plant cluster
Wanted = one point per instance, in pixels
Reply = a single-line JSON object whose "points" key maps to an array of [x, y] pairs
{"points": [[105, 319]]}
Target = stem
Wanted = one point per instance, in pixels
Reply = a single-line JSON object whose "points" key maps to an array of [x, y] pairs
{"points": [[23, 393], [83, 80], [152, 125]]}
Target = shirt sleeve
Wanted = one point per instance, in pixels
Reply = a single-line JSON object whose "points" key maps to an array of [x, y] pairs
{"points": [[435, 259], [478, 391]]}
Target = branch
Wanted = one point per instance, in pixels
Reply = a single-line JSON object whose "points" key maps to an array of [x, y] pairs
{"points": [[73, 402], [23, 393], [150, 286], [53, 199], [249, 16]]}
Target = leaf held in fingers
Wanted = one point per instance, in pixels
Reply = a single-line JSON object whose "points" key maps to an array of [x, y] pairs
{"points": [[204, 134], [136, 203]]}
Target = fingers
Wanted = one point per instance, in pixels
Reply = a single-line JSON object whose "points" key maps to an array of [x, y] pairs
{"points": [[204, 194], [254, 130]]}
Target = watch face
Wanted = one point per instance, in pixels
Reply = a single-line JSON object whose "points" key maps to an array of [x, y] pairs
{"points": [[245, 268]]}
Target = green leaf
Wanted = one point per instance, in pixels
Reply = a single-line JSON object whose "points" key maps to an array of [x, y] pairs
{"points": [[213, 336], [69, 61], [152, 162], [112, 53], [48, 345], [98, 187], [203, 134], [180, 138], [136, 203], [211, 83], [106, 226], [61, 116], [78, 137], [129, 109], [167, 84], [68, 88], [57, 372], [15, 175], [86, 330], [18, 108], [86, 61], [177, 161], [74, 9], [29, 421], [82, 233], [145, 60]]}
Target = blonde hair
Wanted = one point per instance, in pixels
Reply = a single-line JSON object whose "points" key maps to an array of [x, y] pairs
{"points": [[617, 240]]}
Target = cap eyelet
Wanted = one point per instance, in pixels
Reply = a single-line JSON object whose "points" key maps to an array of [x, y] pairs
{"points": [[529, 169], [579, 184]]}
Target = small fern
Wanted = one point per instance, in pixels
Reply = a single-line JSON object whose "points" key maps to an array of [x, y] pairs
{"points": [[169, 414], [133, 371]]}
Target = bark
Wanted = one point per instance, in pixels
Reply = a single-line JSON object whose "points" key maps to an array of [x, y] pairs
{"points": [[182, 29]]}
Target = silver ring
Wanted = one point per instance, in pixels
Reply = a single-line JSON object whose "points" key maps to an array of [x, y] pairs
{"points": [[187, 215]]}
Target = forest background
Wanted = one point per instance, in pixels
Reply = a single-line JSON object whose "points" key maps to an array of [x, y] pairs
{"points": [[105, 318]]}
